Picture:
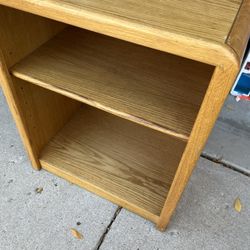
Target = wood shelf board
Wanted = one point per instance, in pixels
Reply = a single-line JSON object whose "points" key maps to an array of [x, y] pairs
{"points": [[210, 20], [147, 86], [131, 165]]}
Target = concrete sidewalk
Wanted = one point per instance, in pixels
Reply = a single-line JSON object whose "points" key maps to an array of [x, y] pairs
{"points": [[205, 217], [230, 141]]}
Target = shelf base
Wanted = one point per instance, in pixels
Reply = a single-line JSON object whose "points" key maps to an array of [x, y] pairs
{"points": [[128, 164]]}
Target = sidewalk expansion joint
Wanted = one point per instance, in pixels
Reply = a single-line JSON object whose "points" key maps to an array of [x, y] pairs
{"points": [[101, 240], [220, 162]]}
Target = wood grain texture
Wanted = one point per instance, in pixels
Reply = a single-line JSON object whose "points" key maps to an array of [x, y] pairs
{"points": [[44, 112], [146, 86], [203, 19], [240, 32], [21, 33], [129, 164], [217, 92], [193, 29], [132, 165], [14, 105]]}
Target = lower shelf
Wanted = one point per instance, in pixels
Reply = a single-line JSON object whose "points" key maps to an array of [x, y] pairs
{"points": [[126, 163]]}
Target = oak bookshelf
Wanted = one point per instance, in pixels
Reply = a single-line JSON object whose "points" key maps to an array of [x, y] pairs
{"points": [[116, 100]]}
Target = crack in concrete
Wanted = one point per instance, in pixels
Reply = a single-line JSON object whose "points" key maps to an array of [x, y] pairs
{"points": [[203, 155], [101, 240], [219, 161]]}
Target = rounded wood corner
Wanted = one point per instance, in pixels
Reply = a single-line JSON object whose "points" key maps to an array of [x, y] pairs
{"points": [[231, 59], [240, 32]]}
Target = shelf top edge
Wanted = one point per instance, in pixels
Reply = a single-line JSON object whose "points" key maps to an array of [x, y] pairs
{"points": [[207, 49], [240, 31]]}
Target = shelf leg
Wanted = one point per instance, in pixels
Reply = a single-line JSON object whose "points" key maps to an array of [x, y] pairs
{"points": [[215, 96], [12, 100]]}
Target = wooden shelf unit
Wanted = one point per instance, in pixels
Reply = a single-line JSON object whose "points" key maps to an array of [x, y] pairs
{"points": [[120, 97]]}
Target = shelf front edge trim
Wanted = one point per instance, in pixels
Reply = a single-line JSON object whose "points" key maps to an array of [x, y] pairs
{"points": [[95, 189], [98, 105]]}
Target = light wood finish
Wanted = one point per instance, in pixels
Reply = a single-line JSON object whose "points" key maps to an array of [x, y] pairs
{"points": [[177, 16], [13, 103], [158, 90], [219, 87], [210, 109], [132, 165], [240, 33], [20, 34], [211, 32], [169, 30], [45, 112], [38, 113]]}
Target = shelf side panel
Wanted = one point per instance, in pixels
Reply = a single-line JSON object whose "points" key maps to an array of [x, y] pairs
{"points": [[240, 31], [44, 112], [22, 32], [218, 90]]}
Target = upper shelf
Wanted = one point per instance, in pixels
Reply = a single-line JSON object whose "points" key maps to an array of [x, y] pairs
{"points": [[158, 24], [152, 88]]}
